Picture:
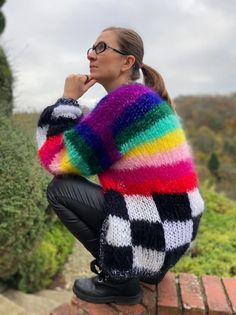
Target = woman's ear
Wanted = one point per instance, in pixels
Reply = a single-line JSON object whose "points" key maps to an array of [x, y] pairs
{"points": [[129, 62]]}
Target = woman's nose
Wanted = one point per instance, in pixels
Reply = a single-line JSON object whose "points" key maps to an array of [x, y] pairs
{"points": [[92, 55]]}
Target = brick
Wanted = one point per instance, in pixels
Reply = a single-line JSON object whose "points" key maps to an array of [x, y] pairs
{"points": [[230, 287], [64, 309], [149, 300], [137, 309], [167, 300], [215, 296], [75, 300], [191, 295], [92, 308], [151, 287], [98, 309]]}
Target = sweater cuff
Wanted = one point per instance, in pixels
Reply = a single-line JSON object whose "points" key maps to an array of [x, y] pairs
{"points": [[67, 100], [67, 108]]}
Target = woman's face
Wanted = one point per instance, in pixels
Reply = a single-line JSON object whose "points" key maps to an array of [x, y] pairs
{"points": [[106, 66]]}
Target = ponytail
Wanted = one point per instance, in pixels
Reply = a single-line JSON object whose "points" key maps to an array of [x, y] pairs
{"points": [[131, 43], [153, 79]]}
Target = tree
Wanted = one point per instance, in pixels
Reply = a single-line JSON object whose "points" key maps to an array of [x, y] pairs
{"points": [[213, 165], [2, 18], [6, 77]]}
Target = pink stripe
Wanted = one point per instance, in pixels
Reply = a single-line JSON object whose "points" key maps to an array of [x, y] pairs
{"points": [[180, 153], [55, 164], [165, 172]]}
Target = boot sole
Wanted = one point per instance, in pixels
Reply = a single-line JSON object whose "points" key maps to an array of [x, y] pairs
{"points": [[129, 300]]}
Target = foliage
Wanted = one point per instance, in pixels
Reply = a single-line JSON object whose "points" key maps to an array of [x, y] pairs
{"points": [[32, 246], [37, 271], [6, 77], [215, 249], [210, 124], [33, 243], [6, 81], [212, 111], [213, 164], [2, 3], [2, 18], [28, 122], [205, 141], [2, 22], [22, 197]]}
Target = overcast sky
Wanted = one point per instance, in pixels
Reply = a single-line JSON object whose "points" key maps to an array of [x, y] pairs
{"points": [[192, 43]]}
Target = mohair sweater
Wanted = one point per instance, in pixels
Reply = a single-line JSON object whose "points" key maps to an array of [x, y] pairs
{"points": [[134, 142]]}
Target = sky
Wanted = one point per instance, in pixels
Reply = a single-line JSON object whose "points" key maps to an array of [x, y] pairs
{"points": [[190, 42]]}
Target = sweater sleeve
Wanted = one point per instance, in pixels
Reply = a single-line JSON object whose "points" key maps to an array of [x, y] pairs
{"points": [[91, 144]]}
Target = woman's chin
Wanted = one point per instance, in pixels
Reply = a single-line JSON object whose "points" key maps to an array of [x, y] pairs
{"points": [[96, 77]]}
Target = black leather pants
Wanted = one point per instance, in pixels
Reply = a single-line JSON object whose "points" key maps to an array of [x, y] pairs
{"points": [[79, 203]]}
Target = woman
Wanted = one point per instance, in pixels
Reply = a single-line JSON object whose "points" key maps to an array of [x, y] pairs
{"points": [[145, 214]]}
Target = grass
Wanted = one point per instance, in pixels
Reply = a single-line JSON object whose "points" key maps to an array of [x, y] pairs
{"points": [[215, 249]]}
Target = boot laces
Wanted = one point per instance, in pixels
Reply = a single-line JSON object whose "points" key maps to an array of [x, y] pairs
{"points": [[94, 267]]}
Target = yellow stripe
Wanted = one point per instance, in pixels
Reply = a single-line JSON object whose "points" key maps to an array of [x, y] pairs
{"points": [[65, 164], [165, 143]]}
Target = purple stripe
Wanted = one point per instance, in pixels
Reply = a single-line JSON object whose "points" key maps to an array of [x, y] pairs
{"points": [[113, 104], [100, 119]]}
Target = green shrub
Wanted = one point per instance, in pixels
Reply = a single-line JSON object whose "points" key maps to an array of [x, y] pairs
{"points": [[6, 81], [33, 244], [215, 249], [22, 195], [36, 272]]}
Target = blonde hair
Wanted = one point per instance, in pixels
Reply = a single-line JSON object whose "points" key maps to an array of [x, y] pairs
{"points": [[131, 43]]}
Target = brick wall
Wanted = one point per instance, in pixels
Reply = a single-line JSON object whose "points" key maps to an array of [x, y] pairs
{"points": [[186, 294]]}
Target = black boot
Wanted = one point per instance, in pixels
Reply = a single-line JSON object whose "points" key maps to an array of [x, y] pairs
{"points": [[104, 289]]}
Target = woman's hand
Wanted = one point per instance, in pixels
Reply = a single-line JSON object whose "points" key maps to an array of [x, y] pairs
{"points": [[76, 85]]}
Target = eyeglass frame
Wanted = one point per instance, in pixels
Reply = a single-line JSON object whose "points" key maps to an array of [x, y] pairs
{"points": [[93, 48]]}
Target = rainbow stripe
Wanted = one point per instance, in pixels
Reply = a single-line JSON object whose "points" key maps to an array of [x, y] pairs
{"points": [[132, 139]]}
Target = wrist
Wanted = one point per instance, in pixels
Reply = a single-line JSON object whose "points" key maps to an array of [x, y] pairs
{"points": [[67, 100], [69, 96]]}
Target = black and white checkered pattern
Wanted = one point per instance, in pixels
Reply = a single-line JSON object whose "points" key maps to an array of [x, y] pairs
{"points": [[144, 236], [57, 118]]}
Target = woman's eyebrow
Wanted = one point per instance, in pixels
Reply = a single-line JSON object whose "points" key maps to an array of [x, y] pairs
{"points": [[95, 44], [101, 41]]}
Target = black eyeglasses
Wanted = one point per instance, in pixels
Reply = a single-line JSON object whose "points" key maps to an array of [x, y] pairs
{"points": [[101, 47]]}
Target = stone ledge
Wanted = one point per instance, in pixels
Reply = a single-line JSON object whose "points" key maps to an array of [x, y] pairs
{"points": [[186, 294]]}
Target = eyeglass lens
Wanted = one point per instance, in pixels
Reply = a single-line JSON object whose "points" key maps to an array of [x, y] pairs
{"points": [[99, 48]]}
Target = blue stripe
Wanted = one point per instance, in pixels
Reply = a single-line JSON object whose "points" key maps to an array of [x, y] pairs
{"points": [[95, 143], [141, 106]]}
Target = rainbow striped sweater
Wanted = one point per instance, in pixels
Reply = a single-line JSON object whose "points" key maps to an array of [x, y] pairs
{"points": [[134, 142]]}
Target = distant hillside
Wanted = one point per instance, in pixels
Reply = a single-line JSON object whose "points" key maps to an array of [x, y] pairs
{"points": [[210, 123]]}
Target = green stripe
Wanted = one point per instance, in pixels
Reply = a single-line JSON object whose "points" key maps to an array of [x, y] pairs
{"points": [[160, 120], [80, 154], [156, 131], [156, 113]]}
